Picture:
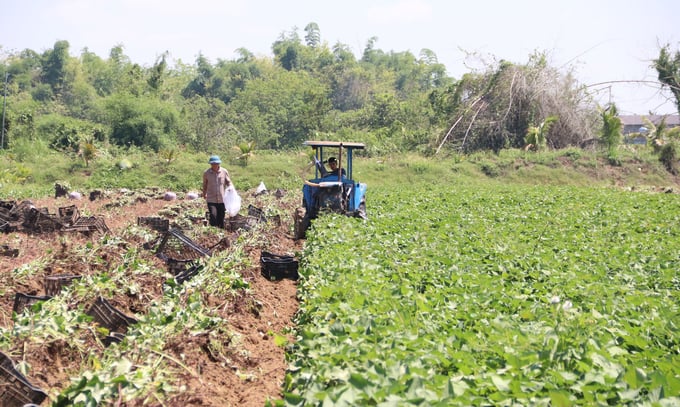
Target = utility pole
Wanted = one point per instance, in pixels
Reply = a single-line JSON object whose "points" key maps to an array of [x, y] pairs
{"points": [[4, 104]]}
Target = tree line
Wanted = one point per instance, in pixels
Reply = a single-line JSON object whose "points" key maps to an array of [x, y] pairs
{"points": [[393, 101]]}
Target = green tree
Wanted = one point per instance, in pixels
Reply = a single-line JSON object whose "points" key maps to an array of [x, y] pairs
{"points": [[246, 151], [668, 67], [313, 35], [141, 121], [54, 65], [664, 142], [207, 126], [288, 51], [611, 132], [88, 151], [157, 73], [535, 138], [281, 110]]}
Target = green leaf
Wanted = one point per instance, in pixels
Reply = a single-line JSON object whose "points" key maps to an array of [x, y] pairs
{"points": [[358, 381], [500, 383], [280, 340], [560, 399], [635, 377]]}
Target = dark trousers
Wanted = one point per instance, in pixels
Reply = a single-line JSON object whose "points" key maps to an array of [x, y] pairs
{"points": [[216, 211]]}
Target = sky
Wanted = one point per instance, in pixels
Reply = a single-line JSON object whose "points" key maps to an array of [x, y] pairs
{"points": [[609, 45]]}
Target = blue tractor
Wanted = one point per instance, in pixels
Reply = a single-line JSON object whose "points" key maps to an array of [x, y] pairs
{"points": [[331, 190]]}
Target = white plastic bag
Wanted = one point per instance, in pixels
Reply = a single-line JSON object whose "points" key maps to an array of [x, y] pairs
{"points": [[261, 188], [232, 201]]}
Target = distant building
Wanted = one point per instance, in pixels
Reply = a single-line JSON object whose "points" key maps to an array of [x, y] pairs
{"points": [[635, 129], [635, 124]]}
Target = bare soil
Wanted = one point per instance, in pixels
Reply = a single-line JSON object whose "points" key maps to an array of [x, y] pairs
{"points": [[247, 378]]}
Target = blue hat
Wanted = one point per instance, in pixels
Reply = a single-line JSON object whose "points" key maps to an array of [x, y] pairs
{"points": [[215, 159]]}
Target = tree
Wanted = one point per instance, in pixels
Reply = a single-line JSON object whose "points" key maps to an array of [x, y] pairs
{"points": [[288, 51], [313, 35], [141, 122], [207, 126], [668, 67], [536, 135], [664, 142], [246, 151], [88, 151], [281, 110], [611, 132], [158, 72], [54, 65], [493, 109]]}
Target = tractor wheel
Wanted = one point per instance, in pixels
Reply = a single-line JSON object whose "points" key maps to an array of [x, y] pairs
{"points": [[361, 212], [300, 223]]}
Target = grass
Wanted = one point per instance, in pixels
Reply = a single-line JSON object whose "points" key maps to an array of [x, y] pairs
{"points": [[25, 175]]}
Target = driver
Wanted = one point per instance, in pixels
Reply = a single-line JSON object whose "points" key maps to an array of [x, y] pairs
{"points": [[333, 163]]}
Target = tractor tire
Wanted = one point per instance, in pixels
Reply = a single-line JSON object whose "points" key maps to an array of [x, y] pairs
{"points": [[361, 212]]}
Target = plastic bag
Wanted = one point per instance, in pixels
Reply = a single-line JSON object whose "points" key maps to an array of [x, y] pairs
{"points": [[232, 201]]}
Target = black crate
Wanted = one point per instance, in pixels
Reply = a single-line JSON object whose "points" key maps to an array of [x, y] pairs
{"points": [[88, 224], [54, 284], [156, 223], [113, 337], [23, 301], [5, 250], [276, 266], [238, 222], [178, 266], [187, 274], [256, 213], [15, 389], [109, 317], [69, 214]]}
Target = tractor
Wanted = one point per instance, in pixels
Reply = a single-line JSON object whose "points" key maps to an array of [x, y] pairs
{"points": [[332, 191]]}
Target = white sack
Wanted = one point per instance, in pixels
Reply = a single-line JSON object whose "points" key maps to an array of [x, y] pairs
{"points": [[232, 201]]}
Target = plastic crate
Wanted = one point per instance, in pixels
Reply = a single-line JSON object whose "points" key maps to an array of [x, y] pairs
{"points": [[87, 225], [109, 317], [23, 301], [256, 213], [276, 266], [54, 284], [238, 222], [69, 214], [15, 389], [113, 337], [156, 223], [187, 274], [7, 251], [40, 220], [175, 240], [178, 266]]}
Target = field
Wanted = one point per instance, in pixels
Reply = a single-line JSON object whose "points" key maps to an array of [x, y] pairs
{"points": [[214, 340], [483, 281], [493, 295]]}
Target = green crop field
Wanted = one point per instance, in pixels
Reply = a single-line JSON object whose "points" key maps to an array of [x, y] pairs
{"points": [[492, 295]]}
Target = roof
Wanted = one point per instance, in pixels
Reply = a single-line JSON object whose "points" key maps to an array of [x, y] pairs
{"points": [[634, 120], [347, 144]]}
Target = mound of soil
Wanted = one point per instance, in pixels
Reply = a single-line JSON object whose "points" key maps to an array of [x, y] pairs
{"points": [[247, 379]]}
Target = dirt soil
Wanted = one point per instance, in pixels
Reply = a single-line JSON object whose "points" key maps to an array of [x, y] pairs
{"points": [[247, 379]]}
